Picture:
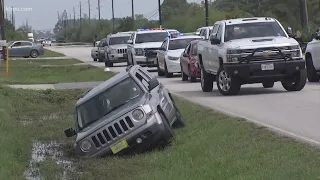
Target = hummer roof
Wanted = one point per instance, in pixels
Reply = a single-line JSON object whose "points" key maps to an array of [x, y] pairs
{"points": [[248, 20], [107, 84]]}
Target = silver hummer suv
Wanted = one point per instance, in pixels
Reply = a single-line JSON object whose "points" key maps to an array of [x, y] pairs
{"points": [[131, 110], [116, 49]]}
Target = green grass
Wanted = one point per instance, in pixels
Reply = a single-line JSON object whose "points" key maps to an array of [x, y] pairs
{"points": [[32, 72], [212, 146], [49, 53]]}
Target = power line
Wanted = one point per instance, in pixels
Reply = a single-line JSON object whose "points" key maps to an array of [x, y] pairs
{"points": [[154, 15]]}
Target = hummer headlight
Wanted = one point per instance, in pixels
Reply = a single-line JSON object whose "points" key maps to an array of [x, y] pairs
{"points": [[138, 114], [113, 51], [173, 58], [85, 145], [139, 51]]}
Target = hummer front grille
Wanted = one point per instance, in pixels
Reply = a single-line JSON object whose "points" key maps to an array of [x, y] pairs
{"points": [[113, 131], [122, 51]]}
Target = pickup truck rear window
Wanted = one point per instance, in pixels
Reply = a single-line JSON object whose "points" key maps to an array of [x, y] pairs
{"points": [[253, 30]]}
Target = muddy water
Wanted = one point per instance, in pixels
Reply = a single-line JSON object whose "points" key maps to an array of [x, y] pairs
{"points": [[42, 151]]}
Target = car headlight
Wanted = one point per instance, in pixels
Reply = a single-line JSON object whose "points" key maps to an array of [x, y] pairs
{"points": [[113, 51], [139, 51], [234, 51], [85, 145], [138, 114], [173, 58], [233, 55], [294, 51]]}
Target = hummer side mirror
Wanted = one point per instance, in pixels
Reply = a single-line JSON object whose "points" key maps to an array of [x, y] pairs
{"points": [[290, 32], [69, 132], [153, 83]]}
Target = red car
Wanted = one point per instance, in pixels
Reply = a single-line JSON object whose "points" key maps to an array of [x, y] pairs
{"points": [[190, 69]]}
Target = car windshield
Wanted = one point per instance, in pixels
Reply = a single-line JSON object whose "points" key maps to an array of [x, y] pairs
{"points": [[119, 40], [107, 101], [180, 43], [253, 30], [151, 37]]}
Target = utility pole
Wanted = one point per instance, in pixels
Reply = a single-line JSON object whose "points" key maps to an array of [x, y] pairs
{"points": [[160, 19], [74, 17], [89, 6], [207, 12], [99, 9], [80, 17], [113, 30], [2, 35], [12, 18], [58, 17], [132, 11], [306, 15]]}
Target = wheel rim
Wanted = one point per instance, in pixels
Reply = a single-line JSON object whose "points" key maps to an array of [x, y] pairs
{"points": [[224, 81], [201, 77], [34, 54]]}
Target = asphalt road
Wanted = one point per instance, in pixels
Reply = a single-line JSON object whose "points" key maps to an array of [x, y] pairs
{"points": [[294, 113]]}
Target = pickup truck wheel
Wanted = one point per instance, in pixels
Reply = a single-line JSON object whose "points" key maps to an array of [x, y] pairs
{"points": [[227, 85], [191, 78], [268, 84], [311, 71], [206, 81], [183, 75], [160, 72], [297, 82], [166, 73], [168, 132]]}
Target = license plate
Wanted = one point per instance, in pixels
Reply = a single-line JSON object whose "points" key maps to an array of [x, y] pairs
{"points": [[266, 67], [119, 146]]}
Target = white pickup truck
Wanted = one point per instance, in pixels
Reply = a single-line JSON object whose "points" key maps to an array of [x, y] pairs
{"points": [[313, 59], [250, 50]]}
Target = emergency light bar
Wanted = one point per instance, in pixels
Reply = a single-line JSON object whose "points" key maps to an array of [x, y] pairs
{"points": [[150, 29]]}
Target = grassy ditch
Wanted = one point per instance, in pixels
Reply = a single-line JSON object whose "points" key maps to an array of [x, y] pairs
{"points": [[51, 71], [49, 53], [212, 146]]}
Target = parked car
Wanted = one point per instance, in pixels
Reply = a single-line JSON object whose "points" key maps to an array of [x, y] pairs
{"points": [[46, 42], [247, 51], [24, 49], [313, 59], [131, 109], [189, 63], [168, 57], [143, 44], [116, 49], [94, 51]]}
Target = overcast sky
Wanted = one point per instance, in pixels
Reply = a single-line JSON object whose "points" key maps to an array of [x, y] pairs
{"points": [[42, 14]]}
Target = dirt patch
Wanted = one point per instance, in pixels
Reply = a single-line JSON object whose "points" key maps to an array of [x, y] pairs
{"points": [[47, 151]]}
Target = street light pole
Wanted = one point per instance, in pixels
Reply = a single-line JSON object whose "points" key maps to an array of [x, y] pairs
{"points": [[2, 34], [113, 30], [207, 12], [306, 15], [132, 11]]}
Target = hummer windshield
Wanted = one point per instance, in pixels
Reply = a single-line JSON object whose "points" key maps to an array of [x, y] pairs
{"points": [[151, 37], [253, 30], [119, 40], [107, 101]]}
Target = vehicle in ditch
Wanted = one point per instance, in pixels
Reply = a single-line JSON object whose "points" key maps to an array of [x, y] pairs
{"points": [[116, 49], [250, 50], [131, 110]]}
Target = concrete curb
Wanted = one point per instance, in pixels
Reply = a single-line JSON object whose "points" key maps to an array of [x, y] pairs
{"points": [[274, 129]]}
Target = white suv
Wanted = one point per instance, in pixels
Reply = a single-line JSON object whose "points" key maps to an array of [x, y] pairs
{"points": [[143, 45], [313, 59], [250, 50]]}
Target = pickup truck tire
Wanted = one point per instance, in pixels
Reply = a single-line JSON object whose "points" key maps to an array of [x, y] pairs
{"points": [[311, 71], [227, 85], [184, 77], [297, 82], [160, 72], [206, 80], [268, 84], [191, 78], [166, 73]]}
